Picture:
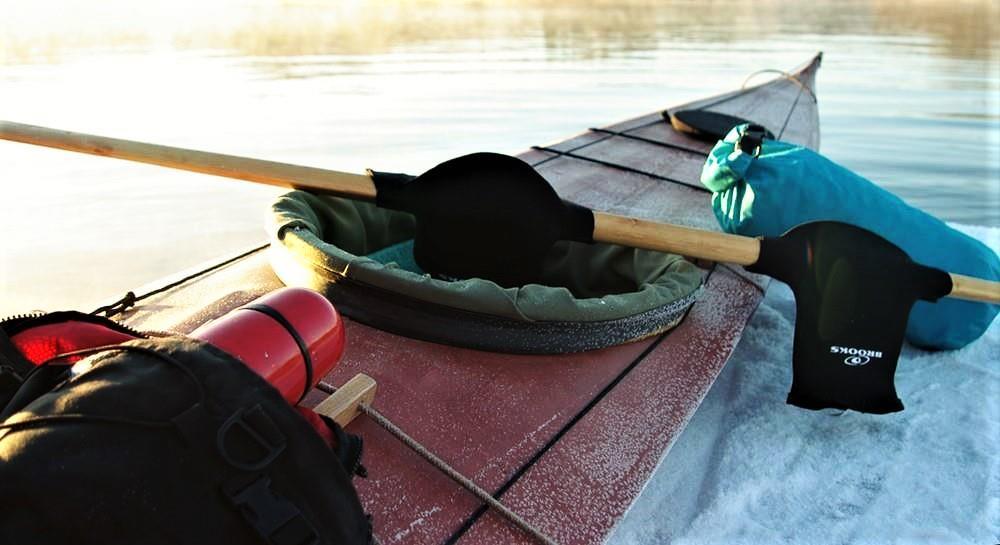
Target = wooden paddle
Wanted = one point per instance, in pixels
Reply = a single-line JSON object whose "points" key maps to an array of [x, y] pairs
{"points": [[493, 216], [611, 228]]}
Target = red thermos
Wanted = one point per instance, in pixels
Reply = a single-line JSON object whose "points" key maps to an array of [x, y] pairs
{"points": [[292, 337]]}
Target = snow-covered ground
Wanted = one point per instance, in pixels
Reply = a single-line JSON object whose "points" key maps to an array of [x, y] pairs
{"points": [[751, 469]]}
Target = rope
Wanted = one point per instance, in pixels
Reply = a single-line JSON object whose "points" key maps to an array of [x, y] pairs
{"points": [[443, 466], [576, 148], [791, 110], [785, 75], [130, 298], [608, 137], [622, 167], [651, 141], [744, 90]]}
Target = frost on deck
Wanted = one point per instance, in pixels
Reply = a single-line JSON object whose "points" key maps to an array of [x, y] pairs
{"points": [[756, 470]]}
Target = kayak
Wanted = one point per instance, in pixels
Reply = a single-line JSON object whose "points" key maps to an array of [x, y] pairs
{"points": [[565, 441]]}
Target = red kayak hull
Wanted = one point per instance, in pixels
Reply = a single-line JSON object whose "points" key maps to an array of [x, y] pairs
{"points": [[565, 441]]}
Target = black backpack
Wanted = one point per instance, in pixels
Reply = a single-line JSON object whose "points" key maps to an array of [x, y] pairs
{"points": [[166, 440]]}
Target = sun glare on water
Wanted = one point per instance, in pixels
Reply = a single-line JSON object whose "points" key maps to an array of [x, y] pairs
{"points": [[52, 30], [400, 85]]}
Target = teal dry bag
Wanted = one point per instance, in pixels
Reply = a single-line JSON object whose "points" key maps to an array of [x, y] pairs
{"points": [[768, 188]]}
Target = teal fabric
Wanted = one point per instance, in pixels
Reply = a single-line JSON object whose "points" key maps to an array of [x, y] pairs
{"points": [[400, 254], [787, 185]]}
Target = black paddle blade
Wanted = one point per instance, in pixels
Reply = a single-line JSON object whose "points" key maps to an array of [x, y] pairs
{"points": [[853, 294], [484, 215], [706, 125]]}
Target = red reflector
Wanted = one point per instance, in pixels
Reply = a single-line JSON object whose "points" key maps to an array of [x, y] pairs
{"points": [[42, 343]]}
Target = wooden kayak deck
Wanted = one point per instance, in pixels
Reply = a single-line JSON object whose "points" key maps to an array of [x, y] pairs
{"points": [[565, 441]]}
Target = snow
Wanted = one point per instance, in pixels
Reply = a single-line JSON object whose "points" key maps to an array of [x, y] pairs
{"points": [[751, 469]]}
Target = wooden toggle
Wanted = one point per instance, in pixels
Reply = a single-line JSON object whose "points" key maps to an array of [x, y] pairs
{"points": [[344, 404]]}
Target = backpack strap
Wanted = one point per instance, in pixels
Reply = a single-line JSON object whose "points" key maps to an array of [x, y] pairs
{"points": [[13, 368], [348, 448], [37, 383], [11, 358]]}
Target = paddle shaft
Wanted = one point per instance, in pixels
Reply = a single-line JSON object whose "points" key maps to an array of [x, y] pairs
{"points": [[227, 166], [735, 249], [676, 239], [974, 289], [610, 228]]}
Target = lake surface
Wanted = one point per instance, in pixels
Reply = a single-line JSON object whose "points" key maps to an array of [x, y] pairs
{"points": [[909, 97]]}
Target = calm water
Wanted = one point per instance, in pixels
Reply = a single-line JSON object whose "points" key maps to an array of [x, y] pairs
{"points": [[909, 97]]}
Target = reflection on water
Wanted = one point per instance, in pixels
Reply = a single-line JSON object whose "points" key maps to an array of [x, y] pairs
{"points": [[578, 28], [908, 97]]}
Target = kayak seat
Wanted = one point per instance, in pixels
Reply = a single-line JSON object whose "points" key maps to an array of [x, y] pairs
{"points": [[587, 296]]}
